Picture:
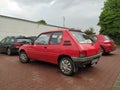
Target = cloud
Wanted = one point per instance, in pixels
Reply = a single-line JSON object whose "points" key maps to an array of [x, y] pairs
{"points": [[32, 2], [78, 13], [9, 7]]}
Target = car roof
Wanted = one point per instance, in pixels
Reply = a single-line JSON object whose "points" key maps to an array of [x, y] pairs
{"points": [[96, 35], [61, 30], [18, 37]]}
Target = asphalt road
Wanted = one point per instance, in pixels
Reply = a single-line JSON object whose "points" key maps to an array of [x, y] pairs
{"points": [[38, 75]]}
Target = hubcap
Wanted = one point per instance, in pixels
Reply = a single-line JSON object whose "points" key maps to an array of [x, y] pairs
{"points": [[23, 57], [65, 66]]}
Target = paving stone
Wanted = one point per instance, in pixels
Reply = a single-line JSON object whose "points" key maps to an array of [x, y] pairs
{"points": [[38, 75]]}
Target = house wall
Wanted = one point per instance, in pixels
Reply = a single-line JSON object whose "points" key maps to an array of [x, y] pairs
{"points": [[16, 27]]}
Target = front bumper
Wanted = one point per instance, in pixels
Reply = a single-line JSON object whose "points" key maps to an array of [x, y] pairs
{"points": [[86, 60]]}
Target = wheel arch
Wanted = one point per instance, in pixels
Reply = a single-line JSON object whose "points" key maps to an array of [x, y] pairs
{"points": [[63, 55], [7, 48], [22, 50]]}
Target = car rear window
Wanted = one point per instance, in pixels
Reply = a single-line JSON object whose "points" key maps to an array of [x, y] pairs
{"points": [[94, 38], [107, 37], [81, 37]]}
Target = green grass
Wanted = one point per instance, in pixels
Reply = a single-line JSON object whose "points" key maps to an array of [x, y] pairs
{"points": [[118, 46]]}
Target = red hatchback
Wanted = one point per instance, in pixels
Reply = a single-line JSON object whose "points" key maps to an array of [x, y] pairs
{"points": [[67, 48], [106, 43]]}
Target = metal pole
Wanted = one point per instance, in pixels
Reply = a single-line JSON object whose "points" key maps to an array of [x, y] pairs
{"points": [[63, 21]]}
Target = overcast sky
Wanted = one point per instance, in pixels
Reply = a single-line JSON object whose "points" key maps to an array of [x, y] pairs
{"points": [[79, 14]]}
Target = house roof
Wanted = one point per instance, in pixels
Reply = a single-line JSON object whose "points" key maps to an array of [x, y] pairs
{"points": [[31, 21]]}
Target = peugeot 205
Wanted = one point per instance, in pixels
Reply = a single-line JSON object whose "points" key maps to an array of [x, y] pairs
{"points": [[69, 49]]}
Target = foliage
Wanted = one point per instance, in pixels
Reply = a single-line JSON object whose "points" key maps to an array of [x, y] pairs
{"points": [[109, 20], [42, 22], [89, 31]]}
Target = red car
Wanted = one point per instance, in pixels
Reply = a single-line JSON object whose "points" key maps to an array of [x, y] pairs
{"points": [[67, 48], [106, 43]]}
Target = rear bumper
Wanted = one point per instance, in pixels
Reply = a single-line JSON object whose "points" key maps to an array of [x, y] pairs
{"points": [[86, 60], [109, 48], [14, 50]]}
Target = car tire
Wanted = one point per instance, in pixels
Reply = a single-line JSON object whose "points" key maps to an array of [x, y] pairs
{"points": [[23, 57], [88, 65], [66, 66], [9, 51], [102, 50]]}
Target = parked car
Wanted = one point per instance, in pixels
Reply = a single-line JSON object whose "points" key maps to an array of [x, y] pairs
{"points": [[106, 43], [11, 44], [67, 48]]}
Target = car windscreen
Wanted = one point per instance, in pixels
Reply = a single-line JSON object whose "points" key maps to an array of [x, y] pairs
{"points": [[24, 40], [81, 37]]}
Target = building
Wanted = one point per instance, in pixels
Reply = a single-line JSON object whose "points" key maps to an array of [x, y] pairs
{"points": [[10, 26]]}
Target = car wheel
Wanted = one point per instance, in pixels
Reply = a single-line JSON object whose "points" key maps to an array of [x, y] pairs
{"points": [[107, 53], [23, 57], [102, 50], [88, 65], [9, 51], [66, 66]]}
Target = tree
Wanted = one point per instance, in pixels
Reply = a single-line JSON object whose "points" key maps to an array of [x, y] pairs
{"points": [[42, 22], [89, 31], [109, 19]]}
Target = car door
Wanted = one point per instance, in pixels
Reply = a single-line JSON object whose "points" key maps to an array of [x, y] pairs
{"points": [[3, 45], [38, 50], [54, 47]]}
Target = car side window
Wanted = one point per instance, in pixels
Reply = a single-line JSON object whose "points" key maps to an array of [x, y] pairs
{"points": [[7, 40], [43, 39], [12, 40], [56, 38]]}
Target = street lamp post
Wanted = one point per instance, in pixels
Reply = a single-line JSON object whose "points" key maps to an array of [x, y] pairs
{"points": [[63, 21]]}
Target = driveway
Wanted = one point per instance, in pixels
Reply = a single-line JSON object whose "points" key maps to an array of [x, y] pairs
{"points": [[38, 75]]}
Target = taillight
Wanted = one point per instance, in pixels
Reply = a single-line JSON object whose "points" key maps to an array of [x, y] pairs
{"points": [[17, 44], [83, 54], [107, 42]]}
